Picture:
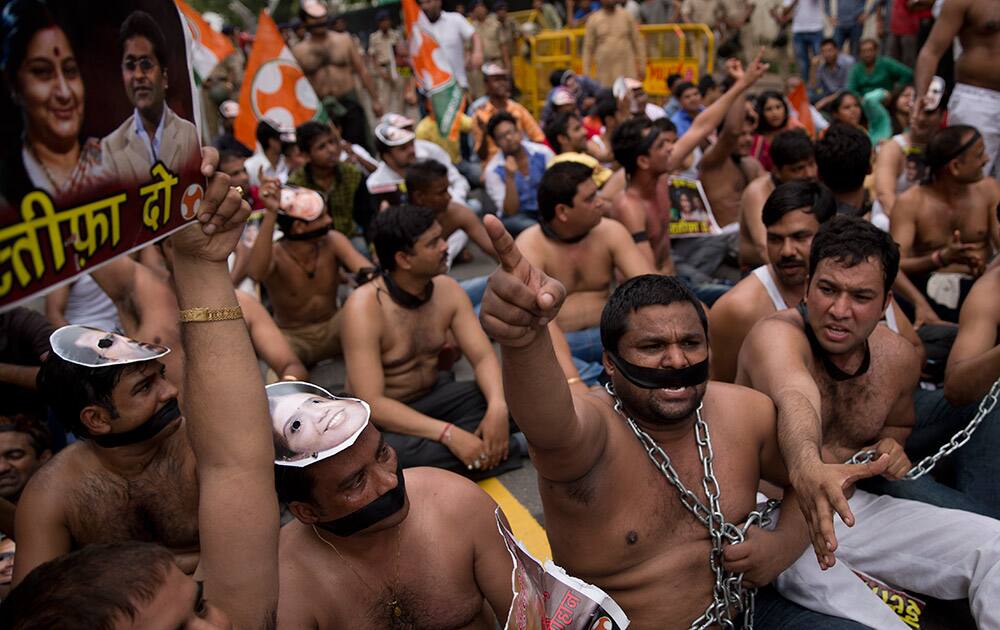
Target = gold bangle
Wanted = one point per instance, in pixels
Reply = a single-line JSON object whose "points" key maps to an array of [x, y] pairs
{"points": [[201, 314], [575, 379]]}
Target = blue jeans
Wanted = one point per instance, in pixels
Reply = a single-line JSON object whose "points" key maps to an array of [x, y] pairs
{"points": [[519, 222], [850, 32], [806, 45], [586, 344], [976, 483], [475, 288], [589, 372], [774, 612]]}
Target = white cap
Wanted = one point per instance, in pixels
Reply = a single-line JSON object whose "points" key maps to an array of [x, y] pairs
{"points": [[393, 136], [397, 120], [229, 109]]}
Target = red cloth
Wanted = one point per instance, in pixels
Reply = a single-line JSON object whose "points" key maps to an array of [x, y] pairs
{"points": [[902, 21]]}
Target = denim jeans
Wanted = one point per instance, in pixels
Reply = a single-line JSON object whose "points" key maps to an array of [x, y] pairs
{"points": [[850, 32], [586, 344], [774, 612], [519, 222], [976, 483], [806, 45]]}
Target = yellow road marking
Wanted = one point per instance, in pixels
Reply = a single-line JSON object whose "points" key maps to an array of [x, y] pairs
{"points": [[525, 527]]}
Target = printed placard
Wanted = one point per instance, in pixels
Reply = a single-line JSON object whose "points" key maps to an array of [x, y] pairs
{"points": [[99, 145], [547, 598], [690, 213]]}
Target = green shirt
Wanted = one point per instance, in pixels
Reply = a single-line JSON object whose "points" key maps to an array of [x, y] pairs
{"points": [[886, 74], [342, 198]]}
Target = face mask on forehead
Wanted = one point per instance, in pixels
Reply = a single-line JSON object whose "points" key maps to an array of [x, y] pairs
{"points": [[660, 378]]}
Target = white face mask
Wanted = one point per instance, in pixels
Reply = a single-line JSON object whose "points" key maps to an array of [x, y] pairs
{"points": [[309, 424]]}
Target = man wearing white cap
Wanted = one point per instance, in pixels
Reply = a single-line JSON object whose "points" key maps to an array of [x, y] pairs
{"points": [[373, 545], [498, 90], [227, 142]]}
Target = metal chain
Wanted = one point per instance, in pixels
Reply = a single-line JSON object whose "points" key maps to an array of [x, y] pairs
{"points": [[728, 591], [957, 441]]}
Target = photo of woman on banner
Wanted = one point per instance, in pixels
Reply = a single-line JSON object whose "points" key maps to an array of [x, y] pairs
{"points": [[690, 212], [99, 149], [43, 77]]}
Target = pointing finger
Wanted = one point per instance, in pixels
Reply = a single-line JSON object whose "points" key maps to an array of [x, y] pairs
{"points": [[503, 243]]}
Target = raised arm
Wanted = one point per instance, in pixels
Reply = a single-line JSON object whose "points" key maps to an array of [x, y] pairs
{"points": [[228, 423], [946, 28], [974, 361], [567, 433], [268, 342], [707, 121], [261, 254], [889, 163], [725, 146]]}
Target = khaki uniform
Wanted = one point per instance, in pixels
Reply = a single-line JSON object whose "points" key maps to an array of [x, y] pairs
{"points": [[381, 50], [493, 37], [612, 43]]}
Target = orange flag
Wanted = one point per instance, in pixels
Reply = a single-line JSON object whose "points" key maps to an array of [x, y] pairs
{"points": [[800, 102], [274, 86], [209, 46]]}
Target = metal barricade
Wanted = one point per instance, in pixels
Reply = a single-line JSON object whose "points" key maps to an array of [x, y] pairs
{"points": [[685, 49]]}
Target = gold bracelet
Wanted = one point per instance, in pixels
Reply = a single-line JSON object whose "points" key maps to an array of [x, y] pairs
{"points": [[202, 314], [575, 379]]}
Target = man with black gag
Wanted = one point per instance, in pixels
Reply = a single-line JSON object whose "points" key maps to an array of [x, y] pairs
{"points": [[611, 516], [374, 546]]}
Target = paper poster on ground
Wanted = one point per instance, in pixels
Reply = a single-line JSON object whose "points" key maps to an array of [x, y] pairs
{"points": [[690, 212], [547, 598], [99, 150]]}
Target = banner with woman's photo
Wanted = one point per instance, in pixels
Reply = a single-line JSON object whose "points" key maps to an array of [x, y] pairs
{"points": [[547, 598], [99, 150], [690, 213]]}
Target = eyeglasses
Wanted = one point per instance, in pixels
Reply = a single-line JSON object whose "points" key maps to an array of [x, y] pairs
{"points": [[144, 63]]}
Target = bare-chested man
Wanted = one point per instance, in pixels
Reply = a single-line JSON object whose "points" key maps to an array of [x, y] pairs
{"points": [[843, 384], [792, 216], [128, 492], [975, 100], [575, 244], [600, 491], [974, 360], [727, 168], [302, 274], [647, 151], [374, 546], [394, 330], [946, 227], [147, 308], [427, 186], [330, 61], [794, 157]]}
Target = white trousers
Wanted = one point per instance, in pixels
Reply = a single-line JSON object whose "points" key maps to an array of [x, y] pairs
{"points": [[946, 554], [980, 108], [457, 241]]}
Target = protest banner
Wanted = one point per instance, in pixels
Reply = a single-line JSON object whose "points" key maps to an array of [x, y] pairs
{"points": [[690, 213], [80, 180], [547, 598], [274, 86]]}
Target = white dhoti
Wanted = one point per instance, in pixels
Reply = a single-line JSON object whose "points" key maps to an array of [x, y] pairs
{"points": [[946, 554]]}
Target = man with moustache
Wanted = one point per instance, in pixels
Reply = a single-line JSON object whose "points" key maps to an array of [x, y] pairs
{"points": [[301, 271], [792, 215], [600, 490], [947, 226], [372, 545], [154, 133], [394, 329], [794, 157], [843, 384]]}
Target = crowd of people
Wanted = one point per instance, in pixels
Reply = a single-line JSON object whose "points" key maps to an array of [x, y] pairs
{"points": [[165, 460]]}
